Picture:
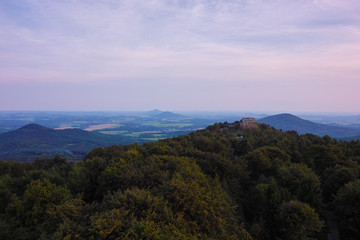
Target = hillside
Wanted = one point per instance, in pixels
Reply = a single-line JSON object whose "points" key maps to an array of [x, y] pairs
{"points": [[169, 115], [32, 140], [217, 183], [154, 112], [288, 122]]}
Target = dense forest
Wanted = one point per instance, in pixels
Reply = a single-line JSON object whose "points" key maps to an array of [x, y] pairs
{"points": [[217, 183]]}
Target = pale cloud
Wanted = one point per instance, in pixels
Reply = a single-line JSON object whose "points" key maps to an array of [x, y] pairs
{"points": [[293, 45]]}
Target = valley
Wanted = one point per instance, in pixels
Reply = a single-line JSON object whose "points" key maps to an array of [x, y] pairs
{"points": [[73, 134]]}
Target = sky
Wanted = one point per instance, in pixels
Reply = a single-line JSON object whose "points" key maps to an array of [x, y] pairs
{"points": [[209, 55]]}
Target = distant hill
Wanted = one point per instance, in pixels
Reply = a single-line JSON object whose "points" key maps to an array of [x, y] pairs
{"points": [[154, 112], [32, 140], [169, 115], [289, 122]]}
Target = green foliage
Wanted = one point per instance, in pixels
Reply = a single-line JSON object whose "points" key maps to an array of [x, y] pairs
{"points": [[93, 168], [262, 205], [137, 214], [210, 184], [73, 219], [298, 221], [336, 177], [265, 198], [31, 210], [203, 203], [266, 160], [347, 209], [5, 193], [321, 157], [302, 183]]}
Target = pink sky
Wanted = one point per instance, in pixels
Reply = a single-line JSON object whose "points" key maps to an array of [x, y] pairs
{"points": [[188, 55]]}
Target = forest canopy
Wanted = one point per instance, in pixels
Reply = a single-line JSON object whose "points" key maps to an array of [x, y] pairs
{"points": [[217, 183]]}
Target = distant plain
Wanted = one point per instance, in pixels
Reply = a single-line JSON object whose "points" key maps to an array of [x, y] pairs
{"points": [[87, 130]]}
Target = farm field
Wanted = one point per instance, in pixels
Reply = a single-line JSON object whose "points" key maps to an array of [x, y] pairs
{"points": [[131, 127]]}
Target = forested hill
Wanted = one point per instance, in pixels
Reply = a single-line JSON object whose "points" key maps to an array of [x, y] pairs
{"points": [[33, 140], [287, 122], [217, 183]]}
